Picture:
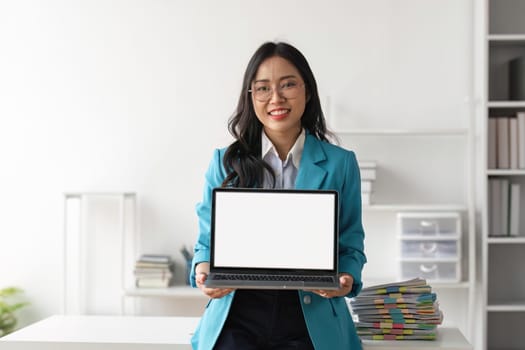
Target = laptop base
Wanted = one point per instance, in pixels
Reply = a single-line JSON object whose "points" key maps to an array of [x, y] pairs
{"points": [[269, 284]]}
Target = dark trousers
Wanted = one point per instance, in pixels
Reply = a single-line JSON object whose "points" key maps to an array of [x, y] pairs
{"points": [[265, 319]]}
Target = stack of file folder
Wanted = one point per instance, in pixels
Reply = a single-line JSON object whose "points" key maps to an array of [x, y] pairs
{"points": [[397, 311]]}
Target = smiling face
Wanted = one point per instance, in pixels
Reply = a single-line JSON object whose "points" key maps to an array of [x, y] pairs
{"points": [[281, 112]]}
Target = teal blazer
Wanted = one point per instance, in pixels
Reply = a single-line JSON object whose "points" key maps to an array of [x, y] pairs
{"points": [[322, 166]]}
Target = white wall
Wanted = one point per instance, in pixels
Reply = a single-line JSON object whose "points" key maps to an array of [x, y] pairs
{"points": [[134, 96]]}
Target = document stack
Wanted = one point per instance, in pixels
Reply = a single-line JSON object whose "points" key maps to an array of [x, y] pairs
{"points": [[368, 175], [153, 271], [405, 310]]}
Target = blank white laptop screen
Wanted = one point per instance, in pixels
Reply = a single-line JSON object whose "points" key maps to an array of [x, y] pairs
{"points": [[274, 229]]}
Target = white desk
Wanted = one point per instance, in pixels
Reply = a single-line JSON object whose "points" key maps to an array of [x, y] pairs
{"points": [[158, 333], [448, 338], [103, 333]]}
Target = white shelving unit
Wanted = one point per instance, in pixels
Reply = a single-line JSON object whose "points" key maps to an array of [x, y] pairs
{"points": [[466, 208], [97, 249], [503, 258], [105, 223]]}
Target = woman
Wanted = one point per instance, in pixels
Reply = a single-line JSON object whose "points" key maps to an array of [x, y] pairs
{"points": [[281, 141]]}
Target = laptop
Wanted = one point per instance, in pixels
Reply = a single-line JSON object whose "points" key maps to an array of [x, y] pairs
{"points": [[274, 239]]}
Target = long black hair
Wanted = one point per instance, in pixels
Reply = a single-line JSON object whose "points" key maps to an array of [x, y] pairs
{"points": [[242, 160]]}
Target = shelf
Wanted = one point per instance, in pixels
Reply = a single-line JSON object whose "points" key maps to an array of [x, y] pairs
{"points": [[506, 240], [506, 306], [89, 219], [414, 207], [170, 292], [404, 132], [506, 104], [506, 172], [511, 39]]}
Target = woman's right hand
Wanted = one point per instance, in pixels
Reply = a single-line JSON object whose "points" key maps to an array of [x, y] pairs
{"points": [[201, 273]]}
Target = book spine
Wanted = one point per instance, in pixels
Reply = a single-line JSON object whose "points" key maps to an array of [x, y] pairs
{"points": [[513, 143], [503, 142], [495, 207], [492, 144], [505, 186], [514, 221], [521, 139]]}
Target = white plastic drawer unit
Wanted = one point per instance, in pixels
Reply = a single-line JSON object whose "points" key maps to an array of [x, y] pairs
{"points": [[429, 224], [430, 245], [437, 271], [429, 249]]}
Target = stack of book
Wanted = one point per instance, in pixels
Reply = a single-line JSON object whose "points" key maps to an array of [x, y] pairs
{"points": [[153, 271], [368, 175], [506, 140], [397, 311]]}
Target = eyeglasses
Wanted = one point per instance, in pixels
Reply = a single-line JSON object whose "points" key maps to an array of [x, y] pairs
{"points": [[263, 92]]}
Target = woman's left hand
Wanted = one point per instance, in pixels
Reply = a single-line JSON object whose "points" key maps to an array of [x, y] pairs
{"points": [[345, 286]]}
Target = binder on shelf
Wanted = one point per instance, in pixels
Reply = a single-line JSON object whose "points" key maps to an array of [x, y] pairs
{"points": [[513, 143], [492, 144], [514, 220], [495, 207], [504, 207], [521, 139], [503, 142]]}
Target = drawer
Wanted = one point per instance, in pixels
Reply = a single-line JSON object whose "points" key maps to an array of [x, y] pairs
{"points": [[429, 249], [429, 224], [431, 271]]}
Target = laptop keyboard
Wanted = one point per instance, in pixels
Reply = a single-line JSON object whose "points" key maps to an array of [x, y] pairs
{"points": [[280, 278]]}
